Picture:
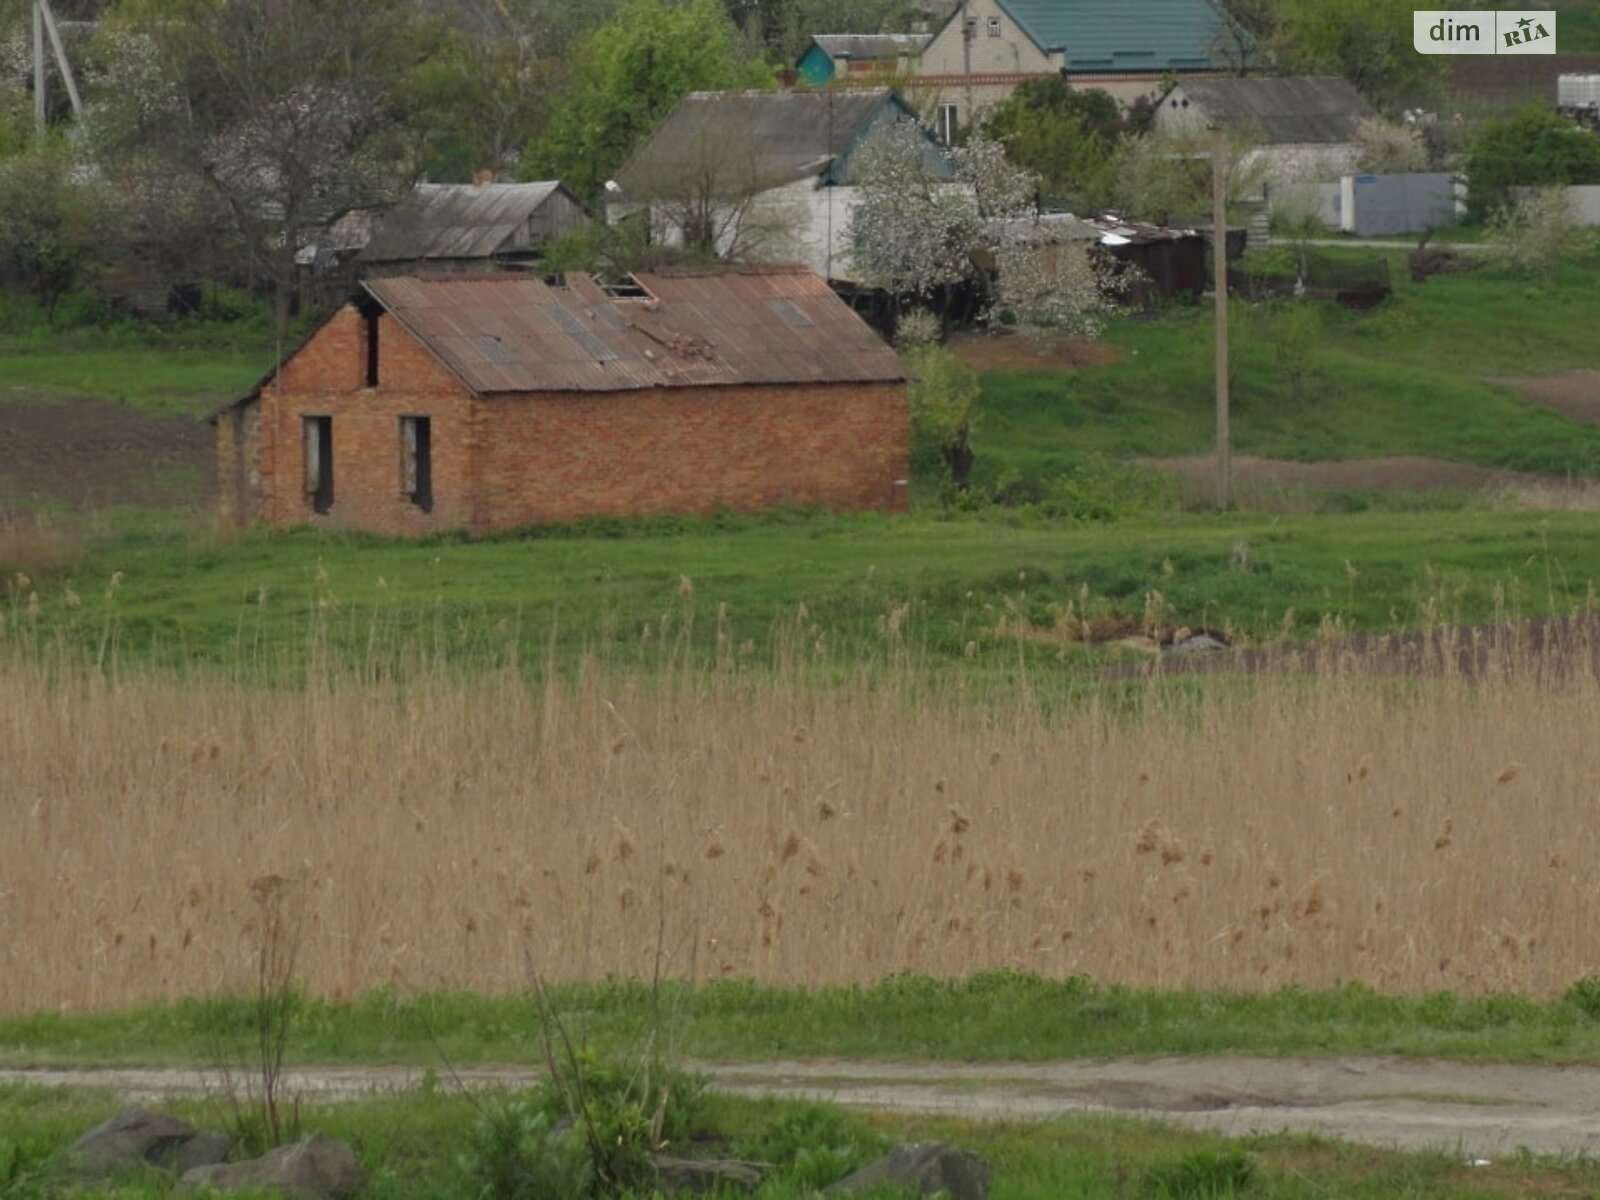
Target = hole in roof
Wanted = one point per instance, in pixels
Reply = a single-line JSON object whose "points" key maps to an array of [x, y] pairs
{"points": [[627, 288]]}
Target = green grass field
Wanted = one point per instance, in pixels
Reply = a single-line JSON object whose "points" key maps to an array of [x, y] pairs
{"points": [[618, 590], [178, 381], [993, 1017], [412, 1145], [1416, 376]]}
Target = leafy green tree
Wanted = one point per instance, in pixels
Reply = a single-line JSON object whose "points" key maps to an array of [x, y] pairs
{"points": [[1067, 137], [943, 393], [1534, 147], [16, 121], [629, 74], [1368, 42], [287, 111], [55, 231], [780, 27], [497, 80]]}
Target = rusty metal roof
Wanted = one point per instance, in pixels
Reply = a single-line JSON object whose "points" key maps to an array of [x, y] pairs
{"points": [[686, 327], [456, 220]]}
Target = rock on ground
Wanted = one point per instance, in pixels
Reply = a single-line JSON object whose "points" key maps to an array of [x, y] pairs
{"points": [[316, 1169], [140, 1138], [699, 1176], [930, 1168]]}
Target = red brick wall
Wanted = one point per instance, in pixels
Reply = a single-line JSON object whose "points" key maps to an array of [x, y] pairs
{"points": [[558, 457], [327, 378], [504, 462]]}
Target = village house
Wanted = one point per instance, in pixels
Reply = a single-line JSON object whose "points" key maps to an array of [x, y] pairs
{"points": [[456, 227], [867, 57], [1302, 131], [502, 400], [1129, 49], [762, 176]]}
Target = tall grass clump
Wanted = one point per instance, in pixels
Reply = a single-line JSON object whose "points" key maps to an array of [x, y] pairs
{"points": [[1340, 821]]}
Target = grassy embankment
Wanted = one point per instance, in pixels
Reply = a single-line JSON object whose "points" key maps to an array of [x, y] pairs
{"points": [[996, 588]]}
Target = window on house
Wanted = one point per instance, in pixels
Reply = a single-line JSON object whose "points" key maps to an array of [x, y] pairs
{"points": [[416, 461], [994, 26], [318, 438], [947, 124], [371, 319]]}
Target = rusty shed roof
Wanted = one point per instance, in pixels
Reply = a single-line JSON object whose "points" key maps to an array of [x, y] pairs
{"points": [[456, 220], [683, 328]]}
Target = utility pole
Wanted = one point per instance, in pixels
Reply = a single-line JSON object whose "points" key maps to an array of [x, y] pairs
{"points": [[1219, 285], [44, 23], [38, 68], [968, 31]]}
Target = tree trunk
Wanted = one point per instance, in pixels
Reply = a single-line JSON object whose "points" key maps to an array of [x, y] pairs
{"points": [[958, 456]]}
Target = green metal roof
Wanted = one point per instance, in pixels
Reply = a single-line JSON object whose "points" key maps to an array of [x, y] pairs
{"points": [[1128, 35]]}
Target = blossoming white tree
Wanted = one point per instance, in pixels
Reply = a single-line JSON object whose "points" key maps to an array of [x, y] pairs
{"points": [[913, 232]]}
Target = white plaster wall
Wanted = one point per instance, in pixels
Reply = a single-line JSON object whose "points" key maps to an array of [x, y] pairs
{"points": [[1012, 52]]}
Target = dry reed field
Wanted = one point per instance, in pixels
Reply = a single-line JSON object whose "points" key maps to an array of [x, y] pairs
{"points": [[1414, 834]]}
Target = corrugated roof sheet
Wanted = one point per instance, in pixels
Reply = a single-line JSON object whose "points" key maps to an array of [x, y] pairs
{"points": [[764, 138], [1127, 35], [866, 47], [729, 325], [455, 220], [1316, 108]]}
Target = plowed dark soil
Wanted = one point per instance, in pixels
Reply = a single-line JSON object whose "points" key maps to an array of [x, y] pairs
{"points": [[86, 454]]}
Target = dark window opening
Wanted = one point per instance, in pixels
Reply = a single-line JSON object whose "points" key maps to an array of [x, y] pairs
{"points": [[416, 461], [371, 316], [318, 433]]}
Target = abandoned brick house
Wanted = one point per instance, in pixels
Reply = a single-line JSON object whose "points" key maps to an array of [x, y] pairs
{"points": [[497, 401]]}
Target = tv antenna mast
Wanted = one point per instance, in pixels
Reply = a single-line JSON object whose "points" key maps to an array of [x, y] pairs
{"points": [[44, 24]]}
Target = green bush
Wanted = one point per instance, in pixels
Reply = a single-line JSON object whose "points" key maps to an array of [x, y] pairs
{"points": [[625, 1113], [942, 395], [515, 1152], [1584, 995], [1097, 488], [1534, 147]]}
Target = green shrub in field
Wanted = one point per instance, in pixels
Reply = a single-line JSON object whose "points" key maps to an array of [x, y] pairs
{"points": [[1534, 147], [942, 395], [592, 1136], [1584, 995], [514, 1152], [1097, 488], [1202, 1175]]}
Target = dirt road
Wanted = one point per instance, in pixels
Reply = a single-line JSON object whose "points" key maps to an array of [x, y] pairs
{"points": [[1474, 1110]]}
